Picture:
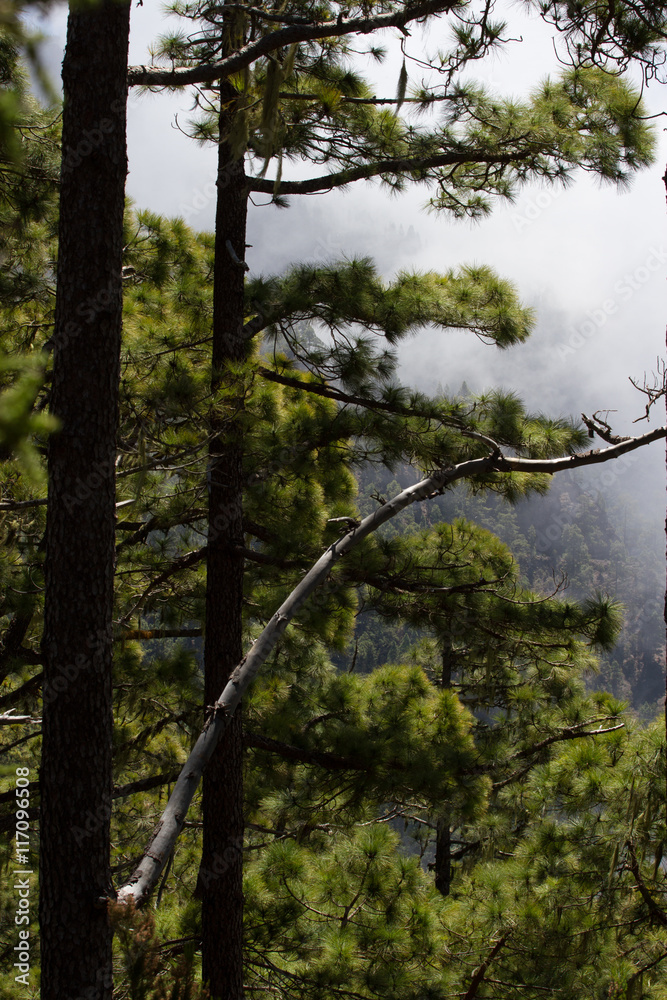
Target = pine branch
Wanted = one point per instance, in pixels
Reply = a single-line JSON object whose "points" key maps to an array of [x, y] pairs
{"points": [[378, 405], [595, 456], [42, 501], [10, 796], [328, 392], [402, 585], [328, 761], [655, 910], [139, 533], [373, 101], [147, 874], [155, 523], [651, 965], [160, 633], [154, 76], [479, 974], [22, 504], [119, 791], [13, 638], [29, 689], [17, 743], [265, 560], [144, 784], [565, 734], [596, 425], [177, 566], [18, 720], [397, 165]]}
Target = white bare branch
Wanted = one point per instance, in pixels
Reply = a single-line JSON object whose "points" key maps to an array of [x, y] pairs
{"points": [[147, 874]]}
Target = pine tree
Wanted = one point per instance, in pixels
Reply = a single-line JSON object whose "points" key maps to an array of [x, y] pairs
{"points": [[612, 35], [76, 768], [352, 294], [292, 96], [29, 153], [536, 437], [329, 749]]}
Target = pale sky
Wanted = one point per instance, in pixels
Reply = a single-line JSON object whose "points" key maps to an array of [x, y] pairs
{"points": [[593, 261]]}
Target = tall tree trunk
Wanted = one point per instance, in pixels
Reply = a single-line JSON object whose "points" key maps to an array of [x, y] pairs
{"points": [[664, 179], [443, 853], [76, 776], [443, 837], [221, 873]]}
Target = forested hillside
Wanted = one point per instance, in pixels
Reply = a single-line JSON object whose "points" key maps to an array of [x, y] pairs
{"points": [[582, 538]]}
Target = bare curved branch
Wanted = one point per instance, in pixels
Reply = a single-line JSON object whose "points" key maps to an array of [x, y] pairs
{"points": [[147, 874]]}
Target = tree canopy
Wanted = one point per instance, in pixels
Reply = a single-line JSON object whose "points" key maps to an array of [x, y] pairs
{"points": [[468, 818]]}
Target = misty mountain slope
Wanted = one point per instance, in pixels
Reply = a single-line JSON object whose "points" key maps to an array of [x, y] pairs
{"points": [[586, 536]]}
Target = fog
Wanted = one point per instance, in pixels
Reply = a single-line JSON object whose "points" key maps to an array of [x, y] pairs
{"points": [[591, 260]]}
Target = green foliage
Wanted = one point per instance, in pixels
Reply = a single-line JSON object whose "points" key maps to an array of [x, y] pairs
{"points": [[485, 730], [307, 102], [360, 918], [149, 970], [352, 293], [19, 425], [611, 34], [329, 894], [393, 726], [28, 171]]}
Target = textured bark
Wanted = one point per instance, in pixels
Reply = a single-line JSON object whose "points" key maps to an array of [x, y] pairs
{"points": [[443, 837], [664, 179], [443, 853], [220, 882], [75, 776]]}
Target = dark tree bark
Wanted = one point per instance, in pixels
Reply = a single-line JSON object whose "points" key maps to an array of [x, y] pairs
{"points": [[665, 605], [221, 872], [443, 854], [443, 837], [76, 776]]}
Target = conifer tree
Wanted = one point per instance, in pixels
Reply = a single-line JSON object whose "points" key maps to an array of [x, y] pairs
{"points": [[327, 748], [293, 96], [286, 303], [76, 768], [610, 34], [29, 154]]}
